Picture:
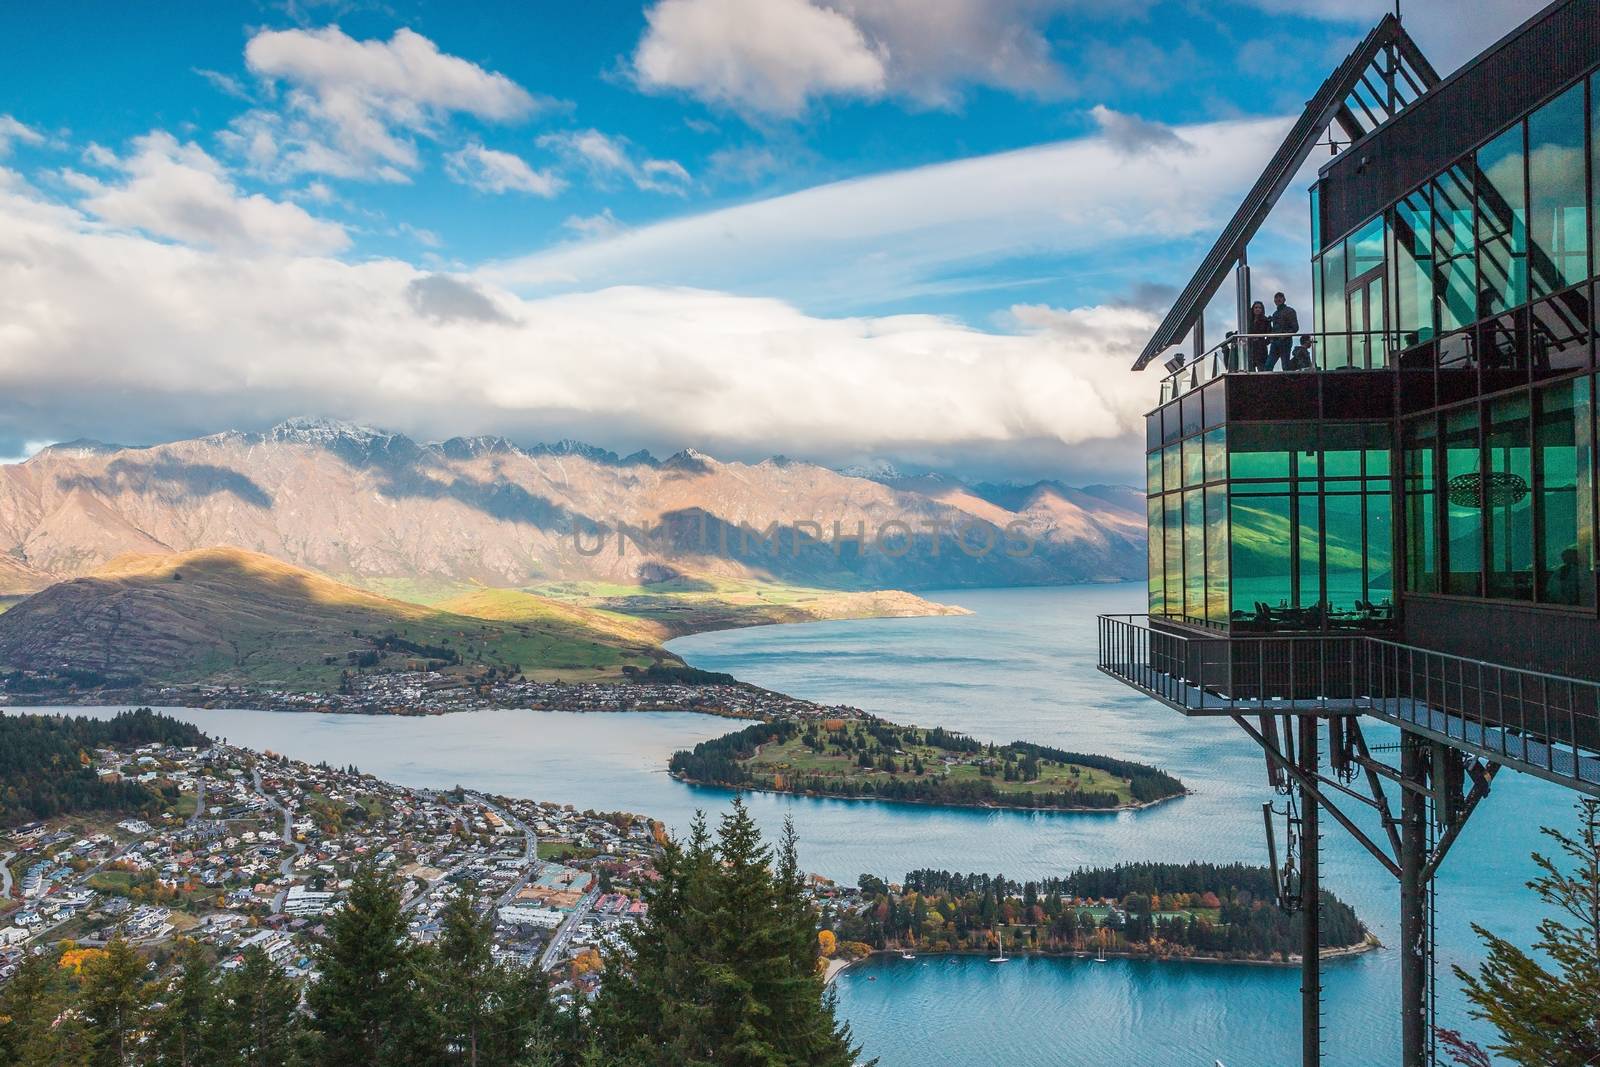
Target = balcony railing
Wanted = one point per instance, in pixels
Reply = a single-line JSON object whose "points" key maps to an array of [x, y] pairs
{"points": [[1248, 353], [1543, 724]]}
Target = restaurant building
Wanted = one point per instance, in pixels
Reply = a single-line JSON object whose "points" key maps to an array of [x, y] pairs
{"points": [[1401, 525]]}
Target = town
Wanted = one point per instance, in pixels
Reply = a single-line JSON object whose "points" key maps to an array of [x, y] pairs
{"points": [[426, 692], [258, 848]]}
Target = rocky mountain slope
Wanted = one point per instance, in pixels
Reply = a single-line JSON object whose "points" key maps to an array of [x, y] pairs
{"points": [[226, 616], [426, 521]]}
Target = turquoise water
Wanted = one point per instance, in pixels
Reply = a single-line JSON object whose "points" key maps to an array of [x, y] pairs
{"points": [[1021, 667]]}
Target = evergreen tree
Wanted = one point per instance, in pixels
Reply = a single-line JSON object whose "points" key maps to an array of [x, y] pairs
{"points": [[113, 999], [723, 971], [1545, 1018], [175, 1033], [30, 1004], [253, 1020], [366, 1005], [489, 1013]]}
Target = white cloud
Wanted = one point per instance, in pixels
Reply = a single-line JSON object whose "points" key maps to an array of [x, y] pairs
{"points": [[933, 50], [607, 157], [489, 170], [12, 131], [1132, 134], [774, 57], [603, 224], [943, 227], [762, 56], [175, 190], [122, 336], [354, 108], [746, 164]]}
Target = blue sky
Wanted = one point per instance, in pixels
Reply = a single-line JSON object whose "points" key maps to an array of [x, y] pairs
{"points": [[928, 230]]}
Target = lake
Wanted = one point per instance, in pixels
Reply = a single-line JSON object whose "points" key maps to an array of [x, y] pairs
{"points": [[1020, 667]]}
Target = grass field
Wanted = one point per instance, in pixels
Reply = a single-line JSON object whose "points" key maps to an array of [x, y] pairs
{"points": [[556, 851], [794, 758], [695, 604]]}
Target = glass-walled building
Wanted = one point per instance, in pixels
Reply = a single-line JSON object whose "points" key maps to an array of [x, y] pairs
{"points": [[1430, 472]]}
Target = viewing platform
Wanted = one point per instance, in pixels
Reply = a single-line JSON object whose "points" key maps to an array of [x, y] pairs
{"points": [[1542, 724]]}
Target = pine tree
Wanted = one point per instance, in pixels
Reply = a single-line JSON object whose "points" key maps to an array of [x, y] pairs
{"points": [[489, 1013], [30, 1004], [175, 1033], [366, 1005], [113, 998], [1545, 1018], [723, 972], [253, 1020]]}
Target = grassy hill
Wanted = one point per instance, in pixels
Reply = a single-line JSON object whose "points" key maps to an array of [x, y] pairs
{"points": [[691, 604], [224, 615]]}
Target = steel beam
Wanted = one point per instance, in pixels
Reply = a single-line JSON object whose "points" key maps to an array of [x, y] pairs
{"points": [[1310, 905], [1414, 947]]}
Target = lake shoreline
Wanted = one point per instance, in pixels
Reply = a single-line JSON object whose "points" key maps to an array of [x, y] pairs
{"points": [[1370, 943], [747, 788]]}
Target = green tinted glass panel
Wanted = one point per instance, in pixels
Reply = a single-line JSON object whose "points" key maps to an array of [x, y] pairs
{"points": [[1194, 464], [1152, 473], [1380, 558], [1157, 568], [1345, 549], [1194, 555], [1558, 215], [1308, 544], [1422, 565], [1217, 454], [1261, 574], [1256, 451], [1217, 555], [1341, 463], [1172, 466], [1565, 507], [1172, 540], [1413, 224], [1502, 225], [1461, 506], [1508, 499], [1455, 286]]}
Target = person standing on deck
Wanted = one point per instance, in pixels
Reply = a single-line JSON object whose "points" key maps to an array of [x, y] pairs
{"points": [[1285, 323]]}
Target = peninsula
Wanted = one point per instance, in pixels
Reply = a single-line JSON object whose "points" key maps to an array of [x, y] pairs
{"points": [[868, 758]]}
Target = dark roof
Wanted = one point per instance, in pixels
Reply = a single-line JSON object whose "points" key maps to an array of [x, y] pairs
{"points": [[1349, 89]]}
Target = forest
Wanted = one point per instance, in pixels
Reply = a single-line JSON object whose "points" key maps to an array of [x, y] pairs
{"points": [[45, 763], [1157, 909]]}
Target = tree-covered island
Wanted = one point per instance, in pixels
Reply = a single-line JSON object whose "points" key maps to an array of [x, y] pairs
{"points": [[873, 759]]}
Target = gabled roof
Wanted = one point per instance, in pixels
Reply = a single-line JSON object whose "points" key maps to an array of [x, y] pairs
{"points": [[1374, 82]]}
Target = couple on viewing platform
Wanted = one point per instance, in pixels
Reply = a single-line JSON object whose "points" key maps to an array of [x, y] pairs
{"points": [[1266, 351]]}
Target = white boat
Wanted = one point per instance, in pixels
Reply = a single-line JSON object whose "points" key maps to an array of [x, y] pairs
{"points": [[1002, 958], [1100, 956], [908, 955]]}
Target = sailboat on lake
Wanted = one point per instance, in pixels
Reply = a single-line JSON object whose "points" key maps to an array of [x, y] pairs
{"points": [[1002, 958]]}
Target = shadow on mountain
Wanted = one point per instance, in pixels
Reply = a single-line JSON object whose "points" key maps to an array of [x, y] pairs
{"points": [[190, 481], [505, 501], [893, 556]]}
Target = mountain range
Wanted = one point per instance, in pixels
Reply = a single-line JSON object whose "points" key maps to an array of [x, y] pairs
{"points": [[426, 521]]}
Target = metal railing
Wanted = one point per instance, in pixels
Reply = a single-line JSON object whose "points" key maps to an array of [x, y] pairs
{"points": [[1543, 724], [1256, 353]]}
